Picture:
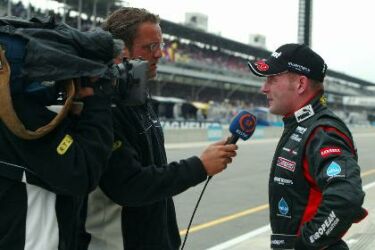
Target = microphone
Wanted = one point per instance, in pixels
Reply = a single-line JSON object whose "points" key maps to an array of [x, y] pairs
{"points": [[242, 126]]}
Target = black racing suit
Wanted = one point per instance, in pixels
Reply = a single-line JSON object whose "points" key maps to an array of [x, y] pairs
{"points": [[43, 182], [315, 189], [133, 208]]}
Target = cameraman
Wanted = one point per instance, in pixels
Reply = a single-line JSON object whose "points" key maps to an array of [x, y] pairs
{"points": [[133, 208], [43, 181]]}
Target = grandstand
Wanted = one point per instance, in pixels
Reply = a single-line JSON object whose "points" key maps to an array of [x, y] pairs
{"points": [[199, 67]]}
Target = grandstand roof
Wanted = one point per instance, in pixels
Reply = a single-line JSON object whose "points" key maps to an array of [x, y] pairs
{"points": [[182, 31], [102, 6]]}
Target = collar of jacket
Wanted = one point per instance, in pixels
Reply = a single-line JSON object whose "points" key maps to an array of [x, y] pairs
{"points": [[317, 104]]}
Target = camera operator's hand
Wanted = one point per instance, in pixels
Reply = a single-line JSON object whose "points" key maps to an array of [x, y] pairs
{"points": [[216, 157], [85, 91], [89, 87], [95, 86]]}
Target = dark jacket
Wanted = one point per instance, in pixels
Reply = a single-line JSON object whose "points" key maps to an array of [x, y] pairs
{"points": [[315, 189], [140, 180], [43, 181]]}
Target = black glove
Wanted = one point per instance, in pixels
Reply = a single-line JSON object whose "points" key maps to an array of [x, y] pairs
{"points": [[101, 87]]}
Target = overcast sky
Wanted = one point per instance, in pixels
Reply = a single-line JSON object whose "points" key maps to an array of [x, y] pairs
{"points": [[342, 29]]}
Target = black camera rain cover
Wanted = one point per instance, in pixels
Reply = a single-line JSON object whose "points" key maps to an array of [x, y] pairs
{"points": [[59, 52]]}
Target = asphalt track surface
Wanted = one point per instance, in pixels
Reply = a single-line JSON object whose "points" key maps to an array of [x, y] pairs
{"points": [[235, 201]]}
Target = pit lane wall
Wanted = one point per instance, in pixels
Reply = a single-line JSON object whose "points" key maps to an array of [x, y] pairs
{"points": [[184, 132]]}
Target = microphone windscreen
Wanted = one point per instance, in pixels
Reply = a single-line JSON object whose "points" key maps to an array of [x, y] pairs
{"points": [[243, 125]]}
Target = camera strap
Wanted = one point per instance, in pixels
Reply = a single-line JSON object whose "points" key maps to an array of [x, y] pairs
{"points": [[9, 116]]}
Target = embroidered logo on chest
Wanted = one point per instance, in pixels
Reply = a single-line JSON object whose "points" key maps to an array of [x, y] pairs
{"points": [[304, 113], [301, 130], [296, 137], [286, 164]]}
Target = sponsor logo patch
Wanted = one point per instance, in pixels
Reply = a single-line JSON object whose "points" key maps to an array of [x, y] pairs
{"points": [[262, 66], [290, 150], [333, 169], [278, 242], [276, 54], [116, 145], [282, 181], [64, 145], [298, 67], [286, 164], [295, 137], [283, 208], [325, 152], [323, 100], [326, 228], [301, 130], [304, 113]]}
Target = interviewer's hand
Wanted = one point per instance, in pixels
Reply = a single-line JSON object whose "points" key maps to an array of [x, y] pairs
{"points": [[216, 157]]}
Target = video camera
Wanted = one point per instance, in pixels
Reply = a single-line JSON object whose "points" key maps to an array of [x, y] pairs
{"points": [[48, 62], [125, 82], [131, 77], [42, 55]]}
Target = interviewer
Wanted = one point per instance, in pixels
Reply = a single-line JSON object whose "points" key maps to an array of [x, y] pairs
{"points": [[133, 207]]}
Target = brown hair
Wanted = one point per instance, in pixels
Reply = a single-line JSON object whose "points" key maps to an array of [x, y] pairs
{"points": [[123, 23], [314, 84]]}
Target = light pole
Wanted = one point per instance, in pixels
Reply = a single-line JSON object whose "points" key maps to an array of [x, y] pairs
{"points": [[79, 20], [94, 13], [9, 11]]}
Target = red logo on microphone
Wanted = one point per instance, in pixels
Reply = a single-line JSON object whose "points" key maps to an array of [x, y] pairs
{"points": [[247, 123]]}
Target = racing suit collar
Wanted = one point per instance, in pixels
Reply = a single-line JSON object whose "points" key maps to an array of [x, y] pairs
{"points": [[315, 105]]}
